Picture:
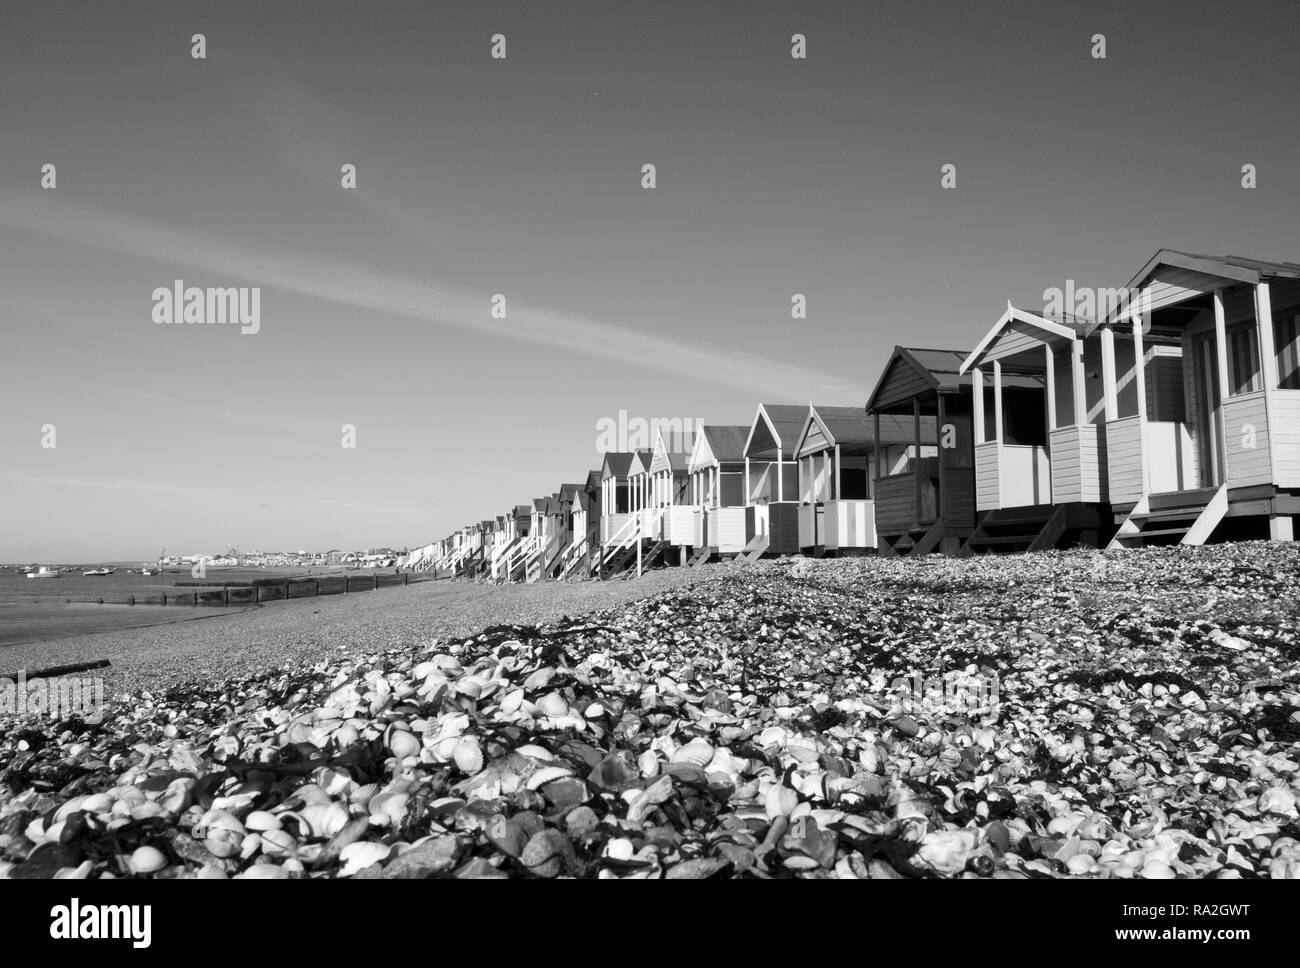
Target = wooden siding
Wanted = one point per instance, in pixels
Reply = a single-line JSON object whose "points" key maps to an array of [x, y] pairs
{"points": [[610, 525], [1078, 465], [850, 524], [730, 529], [679, 525], [1125, 467], [1284, 435], [1016, 338], [1169, 449], [900, 382], [783, 528], [895, 502], [1247, 464], [1170, 285], [986, 476], [808, 514]]}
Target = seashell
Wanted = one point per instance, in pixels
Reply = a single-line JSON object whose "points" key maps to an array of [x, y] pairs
{"points": [[780, 802], [403, 744], [388, 809], [773, 736], [223, 843], [594, 711], [325, 820], [356, 857], [696, 753], [649, 763], [277, 842], [263, 872], [545, 775], [511, 702], [146, 860], [468, 755], [79, 873], [553, 705], [260, 820], [364, 793], [535, 752], [620, 848], [1278, 800]]}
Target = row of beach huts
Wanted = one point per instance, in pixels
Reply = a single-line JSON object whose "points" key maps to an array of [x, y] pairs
{"points": [[1172, 416]]}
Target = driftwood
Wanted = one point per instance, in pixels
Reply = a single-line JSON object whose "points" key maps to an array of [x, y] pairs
{"points": [[63, 670]]}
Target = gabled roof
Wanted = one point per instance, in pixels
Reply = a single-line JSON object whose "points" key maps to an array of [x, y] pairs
{"points": [[616, 464], [1235, 267], [662, 458], [717, 444], [726, 442], [917, 371], [593, 480], [1065, 326], [854, 431], [783, 422], [640, 462]]}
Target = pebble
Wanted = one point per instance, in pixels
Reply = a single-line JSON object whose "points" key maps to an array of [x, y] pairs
{"points": [[741, 727]]}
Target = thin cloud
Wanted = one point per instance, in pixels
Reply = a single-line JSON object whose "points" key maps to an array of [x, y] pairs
{"points": [[377, 290]]}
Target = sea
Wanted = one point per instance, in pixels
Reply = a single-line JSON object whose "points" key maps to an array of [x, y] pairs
{"points": [[40, 609]]}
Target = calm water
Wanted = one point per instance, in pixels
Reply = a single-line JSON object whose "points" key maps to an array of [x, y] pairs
{"points": [[37, 609]]}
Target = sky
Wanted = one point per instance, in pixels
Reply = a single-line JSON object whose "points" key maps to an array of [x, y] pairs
{"points": [[522, 176]]}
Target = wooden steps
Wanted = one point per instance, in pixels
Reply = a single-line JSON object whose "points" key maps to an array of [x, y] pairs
{"points": [[1188, 516], [700, 558], [754, 550]]}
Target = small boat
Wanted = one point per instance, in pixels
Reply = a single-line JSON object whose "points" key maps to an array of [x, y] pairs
{"points": [[97, 572], [44, 572], [148, 571]]}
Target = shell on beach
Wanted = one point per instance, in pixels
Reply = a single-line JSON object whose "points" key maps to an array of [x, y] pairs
{"points": [[553, 705], [468, 755], [147, 860], [695, 753]]}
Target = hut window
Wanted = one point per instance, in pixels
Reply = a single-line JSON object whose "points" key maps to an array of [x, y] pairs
{"points": [[1244, 361], [1286, 337]]}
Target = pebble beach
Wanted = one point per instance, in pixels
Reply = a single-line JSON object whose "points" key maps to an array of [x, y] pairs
{"points": [[1060, 715]]}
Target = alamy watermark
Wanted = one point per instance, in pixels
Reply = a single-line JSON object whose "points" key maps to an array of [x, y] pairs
{"points": [[1090, 303], [231, 305], [57, 698], [626, 433]]}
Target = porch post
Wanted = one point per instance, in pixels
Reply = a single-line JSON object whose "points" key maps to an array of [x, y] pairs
{"points": [[1051, 389], [837, 474], [997, 402], [747, 490], [780, 475], [1108, 373], [1264, 319], [1079, 386], [916, 469], [1221, 344], [880, 451], [1140, 374], [977, 403]]}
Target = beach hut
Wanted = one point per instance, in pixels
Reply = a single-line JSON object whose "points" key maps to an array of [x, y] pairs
{"points": [[926, 502], [836, 454], [1201, 399], [723, 523], [669, 491], [1040, 452], [772, 478], [619, 533], [585, 529]]}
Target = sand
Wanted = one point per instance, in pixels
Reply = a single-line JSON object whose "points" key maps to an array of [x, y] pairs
{"points": [[237, 645]]}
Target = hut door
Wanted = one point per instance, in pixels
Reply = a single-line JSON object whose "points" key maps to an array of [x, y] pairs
{"points": [[1207, 412]]}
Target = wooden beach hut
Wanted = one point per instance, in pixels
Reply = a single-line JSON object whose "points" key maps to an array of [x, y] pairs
{"points": [[836, 454], [1040, 452], [724, 523], [927, 502], [1209, 445], [772, 478], [584, 528], [669, 484], [618, 521]]}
